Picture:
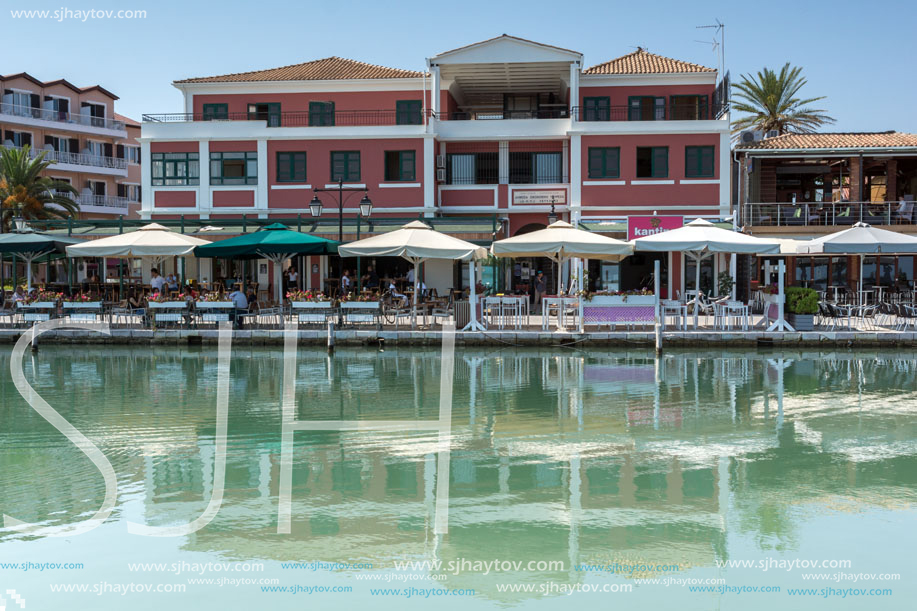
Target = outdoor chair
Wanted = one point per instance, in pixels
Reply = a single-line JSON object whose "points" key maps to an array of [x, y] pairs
{"points": [[868, 314]]}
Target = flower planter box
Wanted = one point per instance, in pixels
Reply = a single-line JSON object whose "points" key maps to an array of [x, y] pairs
{"points": [[361, 305], [311, 305], [621, 300], [619, 310], [801, 322], [37, 305], [213, 305], [167, 305], [82, 305], [361, 311]]}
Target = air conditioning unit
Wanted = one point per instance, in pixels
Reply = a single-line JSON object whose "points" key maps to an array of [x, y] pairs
{"points": [[751, 135], [441, 175], [440, 161], [772, 134]]}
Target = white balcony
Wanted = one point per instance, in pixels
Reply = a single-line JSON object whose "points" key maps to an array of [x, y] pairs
{"points": [[54, 119], [82, 162]]}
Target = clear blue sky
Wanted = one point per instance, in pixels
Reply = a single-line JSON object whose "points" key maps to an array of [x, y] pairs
{"points": [[857, 54]]}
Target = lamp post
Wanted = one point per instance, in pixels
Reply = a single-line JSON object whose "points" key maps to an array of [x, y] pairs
{"points": [[552, 216], [315, 209]]}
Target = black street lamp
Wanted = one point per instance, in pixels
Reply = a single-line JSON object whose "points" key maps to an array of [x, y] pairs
{"points": [[366, 209], [552, 216]]}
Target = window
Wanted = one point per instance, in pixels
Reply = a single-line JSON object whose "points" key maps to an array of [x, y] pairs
{"points": [[399, 166], [12, 138], [527, 168], [408, 112], [472, 168], [345, 165], [689, 107], [645, 108], [132, 154], [321, 114], [597, 109], [291, 167], [652, 162], [56, 108], [63, 145], [604, 162], [93, 113], [215, 112], [129, 192], [234, 168], [265, 112], [176, 169], [699, 161]]}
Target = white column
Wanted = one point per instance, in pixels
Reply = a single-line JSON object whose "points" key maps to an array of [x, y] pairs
{"points": [[725, 174], [429, 176], [203, 191], [576, 178], [146, 180], [574, 85], [261, 190], [503, 162], [437, 84]]}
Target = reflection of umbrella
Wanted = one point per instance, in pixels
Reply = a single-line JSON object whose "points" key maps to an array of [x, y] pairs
{"points": [[274, 242], [561, 241], [29, 245], [417, 242], [861, 239]]}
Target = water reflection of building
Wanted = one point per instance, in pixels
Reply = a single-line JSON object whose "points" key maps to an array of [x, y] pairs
{"points": [[548, 460]]}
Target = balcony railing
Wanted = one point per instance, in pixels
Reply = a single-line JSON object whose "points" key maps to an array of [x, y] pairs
{"points": [[102, 201], [338, 118], [87, 159], [816, 214], [656, 113], [552, 113], [45, 114]]}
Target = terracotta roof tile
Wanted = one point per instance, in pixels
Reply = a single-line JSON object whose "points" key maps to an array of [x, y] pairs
{"points": [[330, 68], [126, 120], [642, 61], [836, 140]]}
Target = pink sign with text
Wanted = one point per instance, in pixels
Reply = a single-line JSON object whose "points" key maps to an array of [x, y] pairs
{"points": [[642, 226]]}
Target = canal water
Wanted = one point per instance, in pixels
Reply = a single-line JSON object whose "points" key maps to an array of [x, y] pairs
{"points": [[595, 478]]}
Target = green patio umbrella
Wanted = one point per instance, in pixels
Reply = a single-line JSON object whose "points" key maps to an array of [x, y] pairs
{"points": [[275, 242], [29, 245]]}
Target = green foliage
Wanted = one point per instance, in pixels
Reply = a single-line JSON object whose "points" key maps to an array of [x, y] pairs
{"points": [[25, 193], [770, 102], [724, 283], [800, 300]]}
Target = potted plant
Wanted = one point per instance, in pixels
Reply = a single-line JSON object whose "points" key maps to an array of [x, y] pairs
{"points": [[724, 283], [801, 307]]}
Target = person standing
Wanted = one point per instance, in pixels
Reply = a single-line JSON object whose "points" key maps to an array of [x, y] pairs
{"points": [[540, 288], [292, 279], [157, 281]]}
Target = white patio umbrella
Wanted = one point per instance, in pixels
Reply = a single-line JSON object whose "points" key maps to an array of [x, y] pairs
{"points": [[560, 241], [861, 239], [416, 242], [151, 241], [700, 239]]}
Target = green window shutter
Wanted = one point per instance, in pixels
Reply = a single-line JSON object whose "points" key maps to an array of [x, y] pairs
{"points": [[597, 108], [353, 166], [707, 162], [691, 161], [613, 163], [321, 114], [595, 163], [660, 162], [284, 174], [406, 171], [408, 112]]}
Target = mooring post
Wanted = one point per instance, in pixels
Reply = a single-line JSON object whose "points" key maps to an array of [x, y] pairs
{"points": [[330, 336], [656, 289]]}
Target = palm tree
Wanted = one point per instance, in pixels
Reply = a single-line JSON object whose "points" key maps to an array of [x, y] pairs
{"points": [[770, 100], [25, 193]]}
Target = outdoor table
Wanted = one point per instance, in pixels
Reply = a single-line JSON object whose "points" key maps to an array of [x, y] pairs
{"points": [[678, 309], [864, 295], [730, 310], [353, 312], [37, 311], [879, 289], [848, 312], [83, 310], [836, 289], [167, 311], [510, 310], [215, 311], [562, 304]]}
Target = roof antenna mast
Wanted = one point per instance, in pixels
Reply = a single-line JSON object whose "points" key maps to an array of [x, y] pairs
{"points": [[719, 28]]}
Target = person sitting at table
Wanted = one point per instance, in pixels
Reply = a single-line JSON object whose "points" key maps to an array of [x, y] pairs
{"points": [[401, 297], [370, 279], [19, 294], [252, 298], [238, 299], [172, 282], [136, 302]]}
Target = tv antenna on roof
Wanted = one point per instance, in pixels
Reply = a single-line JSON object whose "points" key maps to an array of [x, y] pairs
{"points": [[719, 28]]}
